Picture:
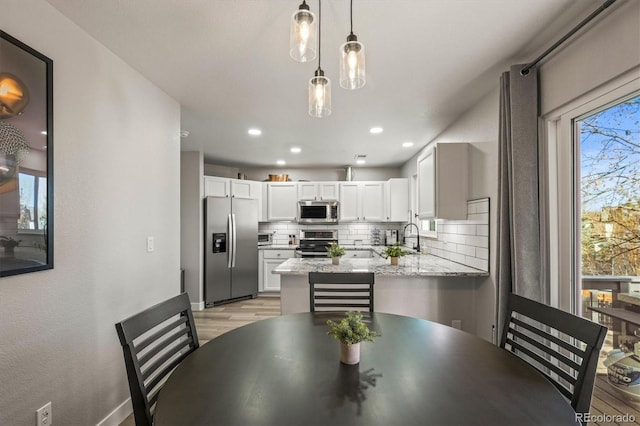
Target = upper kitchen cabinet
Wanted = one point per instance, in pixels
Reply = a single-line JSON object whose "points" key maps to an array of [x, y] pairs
{"points": [[225, 187], [362, 201], [282, 201], [443, 182], [396, 194], [318, 191]]}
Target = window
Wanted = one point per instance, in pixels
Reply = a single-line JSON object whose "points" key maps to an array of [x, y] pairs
{"points": [[609, 154], [33, 196], [564, 185]]}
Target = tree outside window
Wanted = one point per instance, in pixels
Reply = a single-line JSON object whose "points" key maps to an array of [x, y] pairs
{"points": [[610, 190]]}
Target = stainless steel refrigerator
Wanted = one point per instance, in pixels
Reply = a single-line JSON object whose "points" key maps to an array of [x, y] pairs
{"points": [[231, 249]]}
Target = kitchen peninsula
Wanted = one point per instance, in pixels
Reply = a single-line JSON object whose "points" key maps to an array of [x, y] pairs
{"points": [[421, 286]]}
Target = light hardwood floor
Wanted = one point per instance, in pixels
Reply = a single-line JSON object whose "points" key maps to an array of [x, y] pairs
{"points": [[212, 322]]}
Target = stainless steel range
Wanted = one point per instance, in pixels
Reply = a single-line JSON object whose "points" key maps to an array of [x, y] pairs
{"points": [[314, 243]]}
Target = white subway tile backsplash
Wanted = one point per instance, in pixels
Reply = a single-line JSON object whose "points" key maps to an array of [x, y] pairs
{"points": [[482, 253], [477, 241], [456, 257], [466, 250], [482, 230], [467, 229], [454, 238], [477, 263], [448, 228]]}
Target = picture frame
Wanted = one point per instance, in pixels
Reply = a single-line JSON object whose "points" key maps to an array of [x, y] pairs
{"points": [[26, 158]]}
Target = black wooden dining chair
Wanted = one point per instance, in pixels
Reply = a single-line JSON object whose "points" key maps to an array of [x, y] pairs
{"points": [[340, 291], [154, 342], [562, 346]]}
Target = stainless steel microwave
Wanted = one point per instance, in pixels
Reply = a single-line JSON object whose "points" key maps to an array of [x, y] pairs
{"points": [[317, 212]]}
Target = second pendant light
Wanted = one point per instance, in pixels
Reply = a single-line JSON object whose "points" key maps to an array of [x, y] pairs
{"points": [[319, 85]]}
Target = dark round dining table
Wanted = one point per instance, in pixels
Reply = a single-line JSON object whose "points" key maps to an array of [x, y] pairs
{"points": [[286, 371]]}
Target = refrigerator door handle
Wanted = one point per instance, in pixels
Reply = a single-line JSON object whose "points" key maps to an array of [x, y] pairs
{"points": [[234, 240], [230, 244]]}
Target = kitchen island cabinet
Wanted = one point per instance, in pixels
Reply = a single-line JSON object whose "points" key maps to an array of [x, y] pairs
{"points": [[422, 286]]}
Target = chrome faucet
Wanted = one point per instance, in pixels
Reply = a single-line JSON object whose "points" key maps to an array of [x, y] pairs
{"points": [[417, 248]]}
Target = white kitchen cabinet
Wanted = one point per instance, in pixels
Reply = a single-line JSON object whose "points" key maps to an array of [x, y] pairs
{"points": [[282, 201], [372, 194], [362, 201], [443, 182], [318, 191], [216, 187], [350, 204], [396, 195], [270, 260], [224, 187]]}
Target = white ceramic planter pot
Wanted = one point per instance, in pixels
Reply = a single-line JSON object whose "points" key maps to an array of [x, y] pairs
{"points": [[335, 260], [349, 354]]}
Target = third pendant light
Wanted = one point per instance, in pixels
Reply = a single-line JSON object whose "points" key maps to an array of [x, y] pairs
{"points": [[352, 60]]}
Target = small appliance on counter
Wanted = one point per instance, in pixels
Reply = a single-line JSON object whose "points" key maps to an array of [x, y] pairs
{"points": [[265, 238], [391, 236]]}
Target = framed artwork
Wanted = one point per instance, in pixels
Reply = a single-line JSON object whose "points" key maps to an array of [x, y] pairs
{"points": [[26, 158]]}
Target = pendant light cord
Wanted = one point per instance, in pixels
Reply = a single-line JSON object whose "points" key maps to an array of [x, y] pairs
{"points": [[319, 31], [351, 16]]}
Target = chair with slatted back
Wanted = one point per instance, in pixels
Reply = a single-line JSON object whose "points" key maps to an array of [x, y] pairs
{"points": [[562, 346], [154, 342], [340, 291]]}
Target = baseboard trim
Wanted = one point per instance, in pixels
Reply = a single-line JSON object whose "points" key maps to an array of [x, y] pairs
{"points": [[198, 306], [118, 415]]}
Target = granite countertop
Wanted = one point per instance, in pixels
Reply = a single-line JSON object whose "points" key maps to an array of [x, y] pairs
{"points": [[411, 265]]}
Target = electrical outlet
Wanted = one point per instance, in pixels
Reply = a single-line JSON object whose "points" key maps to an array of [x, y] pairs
{"points": [[44, 415], [457, 324], [150, 244]]}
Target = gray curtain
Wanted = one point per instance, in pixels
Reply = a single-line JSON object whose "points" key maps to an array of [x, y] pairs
{"points": [[518, 234]]}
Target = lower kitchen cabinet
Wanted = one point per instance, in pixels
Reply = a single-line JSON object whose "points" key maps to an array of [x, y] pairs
{"points": [[270, 259]]}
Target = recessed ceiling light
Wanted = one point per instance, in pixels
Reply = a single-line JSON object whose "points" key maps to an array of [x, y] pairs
{"points": [[44, 132], [255, 132], [281, 162], [296, 149], [361, 161], [184, 133], [375, 130], [407, 144]]}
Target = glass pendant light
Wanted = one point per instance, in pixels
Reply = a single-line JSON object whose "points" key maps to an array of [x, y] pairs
{"points": [[352, 62], [302, 39], [319, 85]]}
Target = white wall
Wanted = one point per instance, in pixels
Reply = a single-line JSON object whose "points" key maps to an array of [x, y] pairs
{"points": [[479, 127], [191, 225], [610, 47], [116, 181]]}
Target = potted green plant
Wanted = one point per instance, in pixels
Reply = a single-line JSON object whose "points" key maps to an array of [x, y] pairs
{"points": [[334, 251], [394, 252], [9, 245], [350, 331]]}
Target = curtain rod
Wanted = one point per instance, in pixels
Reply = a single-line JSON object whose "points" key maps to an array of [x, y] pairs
{"points": [[530, 65]]}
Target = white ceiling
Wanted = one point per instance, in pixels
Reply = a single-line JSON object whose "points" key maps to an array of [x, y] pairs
{"points": [[227, 64]]}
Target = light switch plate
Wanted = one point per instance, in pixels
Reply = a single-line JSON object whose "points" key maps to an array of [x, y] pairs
{"points": [[150, 244]]}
